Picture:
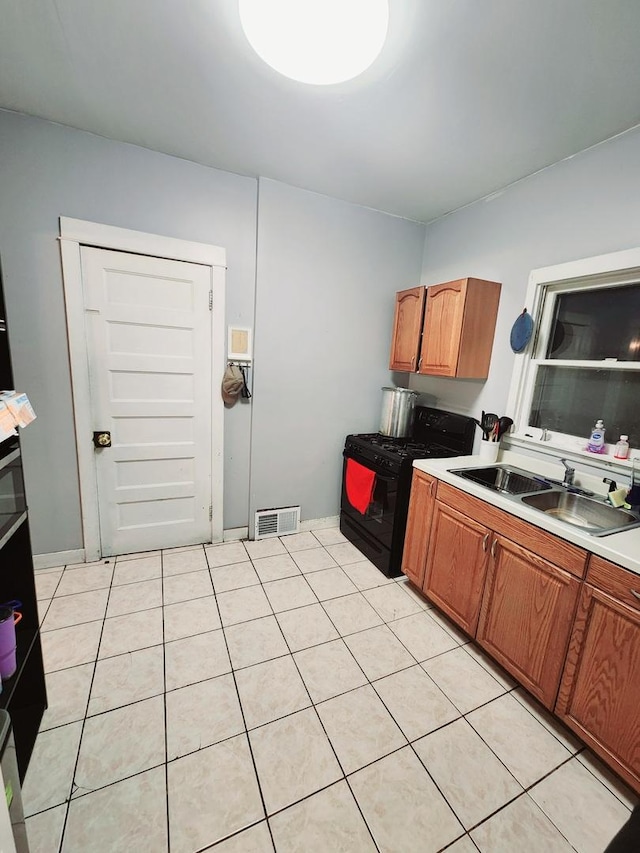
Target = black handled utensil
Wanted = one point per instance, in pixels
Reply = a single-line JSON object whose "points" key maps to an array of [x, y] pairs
{"points": [[504, 424], [487, 424]]}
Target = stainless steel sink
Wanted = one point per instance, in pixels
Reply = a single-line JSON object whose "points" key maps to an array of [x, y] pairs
{"points": [[504, 478], [592, 516]]}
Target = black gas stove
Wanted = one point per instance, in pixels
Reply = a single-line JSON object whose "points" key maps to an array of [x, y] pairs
{"points": [[391, 453], [379, 531]]}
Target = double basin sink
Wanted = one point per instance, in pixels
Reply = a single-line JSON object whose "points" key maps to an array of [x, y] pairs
{"points": [[570, 505]]}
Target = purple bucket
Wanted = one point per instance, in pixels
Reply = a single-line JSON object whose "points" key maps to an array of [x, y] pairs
{"points": [[9, 618]]}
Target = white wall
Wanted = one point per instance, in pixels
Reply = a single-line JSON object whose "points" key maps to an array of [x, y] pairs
{"points": [[327, 276], [325, 287], [587, 205], [48, 171]]}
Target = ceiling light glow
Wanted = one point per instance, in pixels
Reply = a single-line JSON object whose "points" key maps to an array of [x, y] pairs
{"points": [[316, 41]]}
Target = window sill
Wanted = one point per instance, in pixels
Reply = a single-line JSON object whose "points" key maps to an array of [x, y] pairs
{"points": [[569, 448]]}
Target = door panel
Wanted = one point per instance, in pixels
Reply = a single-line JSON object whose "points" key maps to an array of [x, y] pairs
{"points": [[443, 328], [407, 328], [149, 350], [456, 565], [600, 691], [527, 611], [416, 543]]}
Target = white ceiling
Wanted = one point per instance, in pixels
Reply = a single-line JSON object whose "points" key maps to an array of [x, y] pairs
{"points": [[466, 97]]}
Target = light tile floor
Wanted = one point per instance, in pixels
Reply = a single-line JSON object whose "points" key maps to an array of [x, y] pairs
{"points": [[284, 695]]}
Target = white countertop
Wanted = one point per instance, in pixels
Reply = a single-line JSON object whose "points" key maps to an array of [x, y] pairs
{"points": [[621, 548]]}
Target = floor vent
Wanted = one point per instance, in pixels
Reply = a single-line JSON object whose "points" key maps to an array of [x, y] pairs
{"points": [[277, 522]]}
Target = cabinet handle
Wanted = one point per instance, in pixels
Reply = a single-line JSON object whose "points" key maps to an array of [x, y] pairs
{"points": [[494, 545], [432, 486], [485, 540], [635, 593]]}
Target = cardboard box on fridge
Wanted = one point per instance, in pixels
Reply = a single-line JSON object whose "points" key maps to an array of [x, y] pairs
{"points": [[7, 422], [19, 407]]}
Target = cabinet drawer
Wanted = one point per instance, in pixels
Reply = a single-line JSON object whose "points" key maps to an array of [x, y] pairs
{"points": [[546, 545], [618, 582]]}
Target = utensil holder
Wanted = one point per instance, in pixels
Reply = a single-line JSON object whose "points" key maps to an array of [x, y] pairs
{"points": [[489, 450]]}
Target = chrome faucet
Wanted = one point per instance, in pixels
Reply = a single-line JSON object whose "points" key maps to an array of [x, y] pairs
{"points": [[569, 473]]}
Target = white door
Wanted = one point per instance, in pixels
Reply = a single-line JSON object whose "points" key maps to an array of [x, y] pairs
{"points": [[149, 343]]}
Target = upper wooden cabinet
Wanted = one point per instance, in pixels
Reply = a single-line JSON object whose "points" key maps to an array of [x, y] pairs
{"points": [[407, 329], [459, 324], [453, 332]]}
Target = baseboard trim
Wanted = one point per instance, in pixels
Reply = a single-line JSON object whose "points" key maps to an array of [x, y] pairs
{"points": [[320, 523], [233, 534], [58, 558]]}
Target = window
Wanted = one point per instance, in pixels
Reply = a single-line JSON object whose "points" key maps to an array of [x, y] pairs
{"points": [[584, 361]]}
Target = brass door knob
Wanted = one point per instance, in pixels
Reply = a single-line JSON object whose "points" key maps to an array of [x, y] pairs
{"points": [[102, 439]]}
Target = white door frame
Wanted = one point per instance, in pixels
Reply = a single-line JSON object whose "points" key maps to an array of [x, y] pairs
{"points": [[75, 233]]}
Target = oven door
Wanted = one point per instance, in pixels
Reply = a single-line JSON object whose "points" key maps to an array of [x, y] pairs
{"points": [[378, 518]]}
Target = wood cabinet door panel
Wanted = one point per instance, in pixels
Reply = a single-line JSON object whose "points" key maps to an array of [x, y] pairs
{"points": [[558, 551], [599, 696], [442, 328], [416, 539], [618, 582], [456, 565], [407, 329], [526, 617]]}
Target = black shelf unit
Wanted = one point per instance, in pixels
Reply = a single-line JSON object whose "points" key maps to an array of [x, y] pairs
{"points": [[24, 694]]}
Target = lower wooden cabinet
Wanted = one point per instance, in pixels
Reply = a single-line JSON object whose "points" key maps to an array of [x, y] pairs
{"points": [[527, 612], [456, 565], [599, 695], [423, 489], [573, 643]]}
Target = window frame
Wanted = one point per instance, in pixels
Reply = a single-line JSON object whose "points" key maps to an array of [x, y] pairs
{"points": [[545, 284]]}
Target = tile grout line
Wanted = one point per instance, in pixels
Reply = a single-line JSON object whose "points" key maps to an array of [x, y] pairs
{"points": [[84, 721], [506, 691], [244, 721], [370, 684], [313, 705], [408, 742], [411, 743], [164, 706]]}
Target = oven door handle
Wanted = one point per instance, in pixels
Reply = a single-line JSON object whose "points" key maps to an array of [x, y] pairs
{"points": [[371, 467]]}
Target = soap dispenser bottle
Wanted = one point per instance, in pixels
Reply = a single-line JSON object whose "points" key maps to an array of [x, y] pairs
{"points": [[596, 439], [622, 448]]}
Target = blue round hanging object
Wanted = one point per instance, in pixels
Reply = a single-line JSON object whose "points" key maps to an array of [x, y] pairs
{"points": [[521, 331]]}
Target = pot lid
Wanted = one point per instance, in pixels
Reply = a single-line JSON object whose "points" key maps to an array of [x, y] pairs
{"points": [[521, 331]]}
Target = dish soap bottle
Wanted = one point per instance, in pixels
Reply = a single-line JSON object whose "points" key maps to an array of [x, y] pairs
{"points": [[596, 439], [622, 448]]}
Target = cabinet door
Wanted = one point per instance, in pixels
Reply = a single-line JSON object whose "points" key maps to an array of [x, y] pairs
{"points": [[416, 539], [443, 328], [456, 565], [599, 696], [407, 329], [527, 611]]}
